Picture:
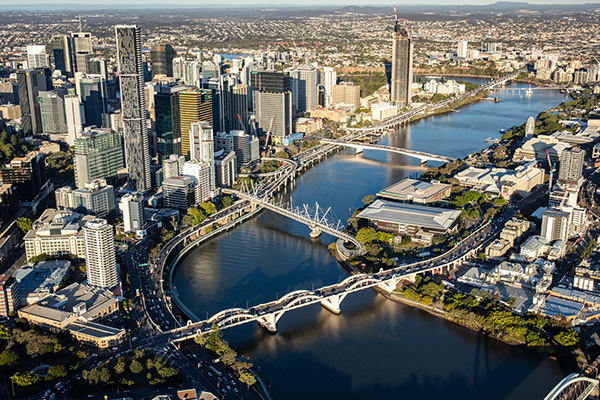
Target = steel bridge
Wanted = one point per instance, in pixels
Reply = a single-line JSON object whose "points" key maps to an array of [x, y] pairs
{"points": [[573, 387]]}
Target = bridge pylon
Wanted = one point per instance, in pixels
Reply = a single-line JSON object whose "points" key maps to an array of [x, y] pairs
{"points": [[390, 285], [269, 321], [359, 150], [315, 232], [332, 303]]}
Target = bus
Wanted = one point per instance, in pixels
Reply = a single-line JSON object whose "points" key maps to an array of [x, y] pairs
{"points": [[216, 371]]}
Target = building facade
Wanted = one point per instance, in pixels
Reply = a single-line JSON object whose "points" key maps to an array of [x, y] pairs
{"points": [[402, 60], [98, 154], [101, 264]]}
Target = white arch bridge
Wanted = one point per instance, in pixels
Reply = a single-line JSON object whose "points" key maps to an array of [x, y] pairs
{"points": [[359, 146], [573, 387]]}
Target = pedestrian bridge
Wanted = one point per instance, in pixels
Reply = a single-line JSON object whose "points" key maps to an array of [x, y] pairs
{"points": [[573, 387], [359, 146]]}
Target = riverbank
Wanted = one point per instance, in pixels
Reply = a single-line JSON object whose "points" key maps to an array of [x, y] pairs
{"points": [[453, 106]]}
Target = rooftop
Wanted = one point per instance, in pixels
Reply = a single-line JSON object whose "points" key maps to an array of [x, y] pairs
{"points": [[407, 189], [410, 214]]}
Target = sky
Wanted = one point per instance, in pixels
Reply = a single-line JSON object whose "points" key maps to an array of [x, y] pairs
{"points": [[291, 2]]}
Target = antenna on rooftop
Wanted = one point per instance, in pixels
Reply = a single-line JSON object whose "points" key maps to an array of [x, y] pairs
{"points": [[395, 13]]}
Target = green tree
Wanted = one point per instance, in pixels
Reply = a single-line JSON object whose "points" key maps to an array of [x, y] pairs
{"points": [[25, 224], [120, 367], [57, 371], [197, 215], [366, 235], [208, 207], [25, 378], [5, 333], [368, 199], [247, 378], [282, 154], [9, 358], [567, 338], [136, 367], [226, 202], [167, 372]]}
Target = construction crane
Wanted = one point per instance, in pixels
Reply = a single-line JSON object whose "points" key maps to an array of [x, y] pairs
{"points": [[269, 134], [241, 123], [552, 170]]}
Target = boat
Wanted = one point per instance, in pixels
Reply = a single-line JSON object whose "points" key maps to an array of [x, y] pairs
{"points": [[502, 131], [497, 99], [488, 140], [529, 91]]}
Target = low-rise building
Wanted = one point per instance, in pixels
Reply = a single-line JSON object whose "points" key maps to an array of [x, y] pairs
{"points": [[40, 280], [331, 114], [57, 233], [416, 221], [308, 126], [533, 247], [498, 248], [494, 180], [95, 198], [415, 191], [74, 309]]}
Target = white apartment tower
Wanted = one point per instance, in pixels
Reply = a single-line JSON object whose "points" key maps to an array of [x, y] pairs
{"points": [[100, 257]]}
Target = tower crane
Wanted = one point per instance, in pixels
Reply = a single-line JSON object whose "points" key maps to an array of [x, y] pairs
{"points": [[562, 203], [241, 123], [267, 147]]}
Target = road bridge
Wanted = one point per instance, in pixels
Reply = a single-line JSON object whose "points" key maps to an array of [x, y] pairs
{"points": [[573, 387], [330, 297], [359, 146]]}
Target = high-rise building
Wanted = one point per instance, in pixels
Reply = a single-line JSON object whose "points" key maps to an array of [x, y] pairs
{"points": [[202, 148], [82, 50], [96, 198], [62, 54], [133, 106], [166, 114], [93, 96], [239, 106], [30, 83], [204, 180], [555, 225], [100, 260], [9, 295], [178, 68], [75, 117], [462, 49], [36, 57], [193, 106], [329, 80], [571, 165], [172, 166], [179, 192], [132, 207], [191, 73], [97, 66], [246, 147], [225, 168], [52, 109], [98, 154], [162, 59], [272, 101], [346, 93], [402, 60], [304, 82], [27, 174]]}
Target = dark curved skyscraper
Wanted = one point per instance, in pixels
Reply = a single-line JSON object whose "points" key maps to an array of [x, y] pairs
{"points": [[402, 58], [133, 106], [162, 56]]}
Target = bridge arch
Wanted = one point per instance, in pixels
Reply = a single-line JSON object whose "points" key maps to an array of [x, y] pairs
{"points": [[300, 299], [293, 294], [229, 311], [360, 283], [235, 318], [573, 384]]}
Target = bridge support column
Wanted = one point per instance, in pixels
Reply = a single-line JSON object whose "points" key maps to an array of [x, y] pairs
{"points": [[269, 321], [332, 303], [423, 162], [359, 150], [315, 233], [389, 285]]}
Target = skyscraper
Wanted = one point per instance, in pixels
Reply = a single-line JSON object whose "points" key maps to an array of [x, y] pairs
{"points": [[82, 50], [178, 68], [239, 106], [62, 54], [272, 101], [172, 166], [329, 80], [92, 93], [36, 56], [193, 106], [101, 264], [30, 83], [75, 117], [52, 108], [162, 59], [304, 82], [462, 49], [133, 106], [571, 165], [202, 148], [402, 59], [166, 113]]}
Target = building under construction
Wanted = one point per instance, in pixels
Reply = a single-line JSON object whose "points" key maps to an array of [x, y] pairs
{"points": [[402, 59]]}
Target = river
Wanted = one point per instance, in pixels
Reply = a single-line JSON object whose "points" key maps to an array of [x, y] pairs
{"points": [[375, 348]]}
